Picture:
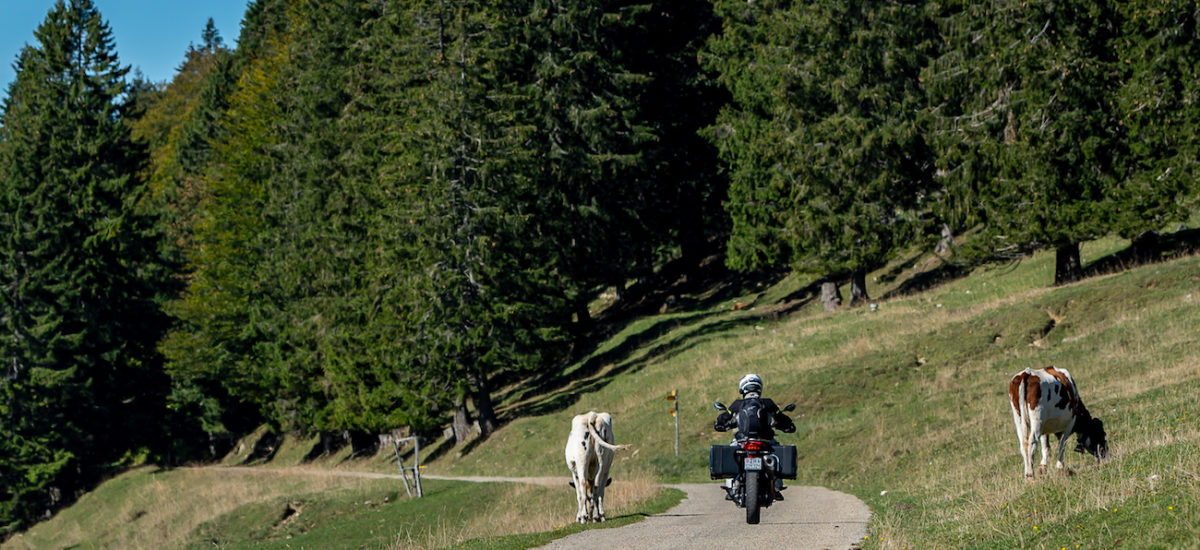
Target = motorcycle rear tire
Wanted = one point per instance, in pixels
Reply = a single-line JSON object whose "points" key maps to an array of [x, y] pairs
{"points": [[752, 498]]}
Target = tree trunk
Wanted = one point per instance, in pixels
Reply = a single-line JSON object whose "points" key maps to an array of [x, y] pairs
{"points": [[583, 319], [858, 288], [831, 297], [462, 420], [481, 397], [1067, 267], [946, 244], [1146, 248]]}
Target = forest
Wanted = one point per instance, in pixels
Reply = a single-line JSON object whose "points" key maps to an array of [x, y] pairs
{"points": [[370, 215]]}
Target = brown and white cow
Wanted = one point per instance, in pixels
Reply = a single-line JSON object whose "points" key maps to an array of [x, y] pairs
{"points": [[1046, 401], [589, 454]]}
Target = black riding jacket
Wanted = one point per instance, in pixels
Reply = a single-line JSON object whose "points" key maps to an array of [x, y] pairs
{"points": [[780, 421]]}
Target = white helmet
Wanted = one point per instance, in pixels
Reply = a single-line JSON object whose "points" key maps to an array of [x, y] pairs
{"points": [[750, 383]]}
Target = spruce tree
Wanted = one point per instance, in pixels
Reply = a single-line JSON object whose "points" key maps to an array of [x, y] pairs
{"points": [[825, 140], [317, 219], [1029, 133], [79, 277], [1159, 52], [683, 187], [478, 296], [177, 120], [594, 199], [223, 333]]}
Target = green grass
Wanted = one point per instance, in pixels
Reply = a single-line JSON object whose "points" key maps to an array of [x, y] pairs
{"points": [[151, 508], [452, 513], [910, 399], [904, 407], [664, 501], [268, 508], [375, 518]]}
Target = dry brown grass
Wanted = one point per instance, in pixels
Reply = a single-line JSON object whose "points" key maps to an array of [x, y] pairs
{"points": [[161, 511], [523, 509]]}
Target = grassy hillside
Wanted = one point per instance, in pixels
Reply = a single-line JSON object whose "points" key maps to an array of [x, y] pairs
{"points": [[904, 406], [911, 399]]}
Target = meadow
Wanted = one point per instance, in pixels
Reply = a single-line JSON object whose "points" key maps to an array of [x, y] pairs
{"points": [[903, 405]]}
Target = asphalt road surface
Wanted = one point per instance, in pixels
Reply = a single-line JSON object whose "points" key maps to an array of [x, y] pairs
{"points": [[808, 518]]}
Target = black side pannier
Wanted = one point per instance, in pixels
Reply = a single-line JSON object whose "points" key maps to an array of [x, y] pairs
{"points": [[722, 462], [787, 461]]}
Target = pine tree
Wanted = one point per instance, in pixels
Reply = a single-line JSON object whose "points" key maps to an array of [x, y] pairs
{"points": [[683, 186], [594, 198], [825, 142], [385, 383], [1029, 131], [316, 221], [1159, 52], [176, 122], [223, 335], [168, 128], [79, 276], [478, 298]]}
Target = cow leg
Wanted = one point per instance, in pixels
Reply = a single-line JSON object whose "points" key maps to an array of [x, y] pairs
{"points": [[1045, 446], [1062, 443], [590, 501], [591, 472], [1032, 439], [1023, 442], [601, 482], [580, 494]]}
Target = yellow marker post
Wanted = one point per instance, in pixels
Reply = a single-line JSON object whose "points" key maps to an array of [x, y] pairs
{"points": [[674, 398]]}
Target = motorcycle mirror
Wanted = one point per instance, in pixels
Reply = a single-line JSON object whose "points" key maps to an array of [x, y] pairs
{"points": [[720, 406], [790, 408]]}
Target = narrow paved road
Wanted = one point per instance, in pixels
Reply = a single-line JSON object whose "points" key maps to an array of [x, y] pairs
{"points": [[809, 518]]}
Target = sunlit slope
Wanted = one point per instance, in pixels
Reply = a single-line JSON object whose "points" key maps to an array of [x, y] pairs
{"points": [[910, 399]]}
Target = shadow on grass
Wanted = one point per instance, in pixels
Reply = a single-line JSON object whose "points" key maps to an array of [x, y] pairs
{"points": [[653, 344], [925, 280], [1165, 247]]}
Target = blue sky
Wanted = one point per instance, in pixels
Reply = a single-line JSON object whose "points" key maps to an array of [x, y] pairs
{"points": [[151, 35]]}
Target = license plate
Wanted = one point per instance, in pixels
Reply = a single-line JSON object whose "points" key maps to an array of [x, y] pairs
{"points": [[753, 464]]}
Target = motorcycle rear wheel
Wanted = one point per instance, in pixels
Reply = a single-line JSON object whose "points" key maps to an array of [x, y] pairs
{"points": [[752, 498]]}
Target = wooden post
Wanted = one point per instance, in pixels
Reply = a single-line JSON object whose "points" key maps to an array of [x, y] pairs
{"points": [[675, 413], [400, 464], [673, 397], [416, 468]]}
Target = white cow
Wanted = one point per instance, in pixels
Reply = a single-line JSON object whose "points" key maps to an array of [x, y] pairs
{"points": [[589, 454], [1046, 401]]}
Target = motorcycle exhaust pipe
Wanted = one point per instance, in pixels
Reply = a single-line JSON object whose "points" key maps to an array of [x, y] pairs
{"points": [[770, 461]]}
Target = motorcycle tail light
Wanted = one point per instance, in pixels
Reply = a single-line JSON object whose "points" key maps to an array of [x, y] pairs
{"points": [[755, 445]]}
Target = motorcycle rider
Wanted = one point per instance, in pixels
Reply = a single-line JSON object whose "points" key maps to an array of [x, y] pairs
{"points": [[750, 388]]}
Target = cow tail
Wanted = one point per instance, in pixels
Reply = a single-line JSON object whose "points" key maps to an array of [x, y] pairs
{"points": [[1023, 402], [600, 440]]}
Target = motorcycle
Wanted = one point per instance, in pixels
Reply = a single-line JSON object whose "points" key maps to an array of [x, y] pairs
{"points": [[754, 465]]}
